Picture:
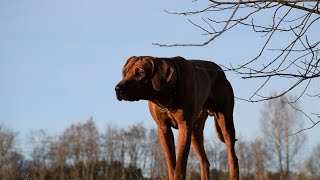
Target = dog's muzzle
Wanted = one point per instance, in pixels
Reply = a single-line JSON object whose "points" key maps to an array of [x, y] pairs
{"points": [[120, 92]]}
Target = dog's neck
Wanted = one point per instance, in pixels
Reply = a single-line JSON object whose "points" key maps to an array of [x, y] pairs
{"points": [[164, 100]]}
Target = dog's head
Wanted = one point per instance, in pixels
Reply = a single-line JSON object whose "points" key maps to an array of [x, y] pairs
{"points": [[142, 77]]}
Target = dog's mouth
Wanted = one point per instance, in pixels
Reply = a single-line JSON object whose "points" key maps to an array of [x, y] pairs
{"points": [[119, 97], [126, 97]]}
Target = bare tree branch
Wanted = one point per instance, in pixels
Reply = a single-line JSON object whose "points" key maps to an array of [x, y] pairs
{"points": [[289, 21]]}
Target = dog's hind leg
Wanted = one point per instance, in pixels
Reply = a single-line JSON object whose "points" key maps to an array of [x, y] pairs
{"points": [[226, 125]]}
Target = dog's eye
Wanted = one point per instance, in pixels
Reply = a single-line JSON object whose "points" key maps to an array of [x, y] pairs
{"points": [[139, 72]]}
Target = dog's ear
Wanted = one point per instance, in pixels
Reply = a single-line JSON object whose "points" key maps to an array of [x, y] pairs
{"points": [[163, 74]]}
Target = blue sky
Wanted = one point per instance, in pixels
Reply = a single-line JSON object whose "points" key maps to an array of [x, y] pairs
{"points": [[60, 61]]}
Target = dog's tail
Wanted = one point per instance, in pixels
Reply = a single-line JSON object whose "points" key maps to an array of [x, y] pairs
{"points": [[218, 130]]}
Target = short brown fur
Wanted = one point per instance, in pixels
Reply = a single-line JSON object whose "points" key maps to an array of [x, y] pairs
{"points": [[181, 94]]}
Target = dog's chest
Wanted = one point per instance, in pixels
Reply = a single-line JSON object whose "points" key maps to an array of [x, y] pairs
{"points": [[173, 123], [174, 119]]}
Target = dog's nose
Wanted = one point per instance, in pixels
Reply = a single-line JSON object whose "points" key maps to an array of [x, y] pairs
{"points": [[119, 88]]}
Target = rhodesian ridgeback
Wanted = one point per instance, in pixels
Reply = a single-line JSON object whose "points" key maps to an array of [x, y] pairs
{"points": [[181, 94]]}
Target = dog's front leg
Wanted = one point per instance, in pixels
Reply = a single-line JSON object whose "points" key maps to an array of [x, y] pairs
{"points": [[184, 141], [167, 142]]}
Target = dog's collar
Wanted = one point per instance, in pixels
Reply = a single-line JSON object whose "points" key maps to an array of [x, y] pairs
{"points": [[171, 104], [174, 92]]}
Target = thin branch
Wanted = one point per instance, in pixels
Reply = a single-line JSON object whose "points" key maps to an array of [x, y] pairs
{"points": [[207, 42], [305, 129]]}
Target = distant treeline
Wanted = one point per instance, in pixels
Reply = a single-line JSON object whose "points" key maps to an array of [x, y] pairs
{"points": [[81, 152]]}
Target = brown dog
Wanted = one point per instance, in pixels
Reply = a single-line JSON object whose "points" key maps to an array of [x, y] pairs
{"points": [[181, 94]]}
